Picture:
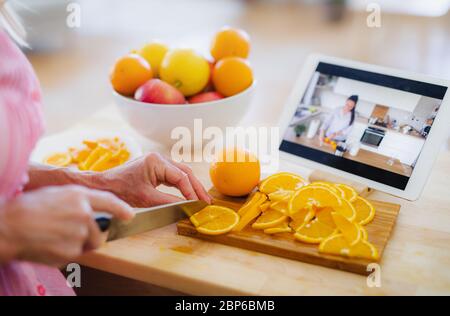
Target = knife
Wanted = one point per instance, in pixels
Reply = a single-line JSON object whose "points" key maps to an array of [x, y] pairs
{"points": [[147, 218]]}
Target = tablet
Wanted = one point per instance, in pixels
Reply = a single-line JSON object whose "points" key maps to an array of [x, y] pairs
{"points": [[377, 126]]}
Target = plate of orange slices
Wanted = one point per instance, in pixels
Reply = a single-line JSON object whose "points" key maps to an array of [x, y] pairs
{"points": [[86, 151]]}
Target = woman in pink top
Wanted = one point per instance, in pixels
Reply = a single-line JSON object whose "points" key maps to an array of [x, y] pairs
{"points": [[46, 213]]}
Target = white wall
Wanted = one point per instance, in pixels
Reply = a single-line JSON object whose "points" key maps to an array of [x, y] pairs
{"points": [[377, 94], [402, 117], [332, 100], [425, 107]]}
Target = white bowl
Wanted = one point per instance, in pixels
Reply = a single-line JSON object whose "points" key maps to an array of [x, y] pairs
{"points": [[156, 121]]}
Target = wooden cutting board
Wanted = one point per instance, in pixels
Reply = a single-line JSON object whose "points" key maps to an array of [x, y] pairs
{"points": [[285, 245]]}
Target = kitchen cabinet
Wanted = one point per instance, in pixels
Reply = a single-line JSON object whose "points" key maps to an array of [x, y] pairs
{"points": [[357, 132], [405, 148]]}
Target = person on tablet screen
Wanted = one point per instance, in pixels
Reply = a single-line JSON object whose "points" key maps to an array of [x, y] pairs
{"points": [[339, 123]]}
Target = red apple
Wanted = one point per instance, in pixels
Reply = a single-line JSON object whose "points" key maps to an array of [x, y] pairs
{"points": [[160, 92], [206, 97]]}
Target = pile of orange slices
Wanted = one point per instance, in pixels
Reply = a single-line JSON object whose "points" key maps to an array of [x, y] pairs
{"points": [[94, 155], [331, 215]]}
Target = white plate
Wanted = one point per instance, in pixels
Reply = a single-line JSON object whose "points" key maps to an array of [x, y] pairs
{"points": [[62, 141]]}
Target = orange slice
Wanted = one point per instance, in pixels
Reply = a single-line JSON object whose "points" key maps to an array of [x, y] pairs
{"points": [[102, 162], [364, 249], [253, 212], [324, 216], [364, 234], [269, 219], [319, 196], [280, 195], [301, 217], [281, 206], [349, 193], [313, 232], [329, 185], [346, 209], [79, 155], [365, 212], [281, 181], [215, 220], [92, 158], [92, 144], [252, 200], [58, 160], [265, 206], [335, 245], [280, 228], [349, 230], [338, 245]]}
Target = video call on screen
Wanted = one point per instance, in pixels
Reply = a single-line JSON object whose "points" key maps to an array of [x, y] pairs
{"points": [[365, 123]]}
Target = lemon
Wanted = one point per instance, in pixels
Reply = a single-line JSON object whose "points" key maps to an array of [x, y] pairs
{"points": [[186, 70], [154, 53]]}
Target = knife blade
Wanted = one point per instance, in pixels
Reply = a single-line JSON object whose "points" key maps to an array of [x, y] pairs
{"points": [[147, 219]]}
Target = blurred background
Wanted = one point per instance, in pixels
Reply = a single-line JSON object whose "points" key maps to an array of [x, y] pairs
{"points": [[73, 63]]}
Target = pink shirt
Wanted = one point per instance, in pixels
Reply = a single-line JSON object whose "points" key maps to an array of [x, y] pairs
{"points": [[21, 124]]}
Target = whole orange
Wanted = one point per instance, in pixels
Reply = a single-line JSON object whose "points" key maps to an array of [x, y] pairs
{"points": [[235, 172], [129, 73], [232, 75], [230, 42]]}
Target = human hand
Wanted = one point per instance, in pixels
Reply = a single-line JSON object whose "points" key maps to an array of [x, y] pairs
{"points": [[136, 182], [55, 225]]}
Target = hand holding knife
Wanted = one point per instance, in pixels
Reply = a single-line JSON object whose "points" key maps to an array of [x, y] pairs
{"points": [[147, 219]]}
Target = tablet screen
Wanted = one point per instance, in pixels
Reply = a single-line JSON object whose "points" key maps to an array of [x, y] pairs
{"points": [[365, 123]]}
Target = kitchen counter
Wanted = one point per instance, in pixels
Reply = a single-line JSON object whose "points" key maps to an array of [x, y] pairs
{"points": [[414, 262], [399, 146], [364, 156], [364, 120]]}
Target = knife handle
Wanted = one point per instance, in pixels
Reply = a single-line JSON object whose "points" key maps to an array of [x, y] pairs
{"points": [[103, 223]]}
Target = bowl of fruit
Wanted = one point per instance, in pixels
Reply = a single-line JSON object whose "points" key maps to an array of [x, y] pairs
{"points": [[159, 89]]}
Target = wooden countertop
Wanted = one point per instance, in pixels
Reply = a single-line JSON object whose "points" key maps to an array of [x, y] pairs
{"points": [[363, 156], [415, 261]]}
